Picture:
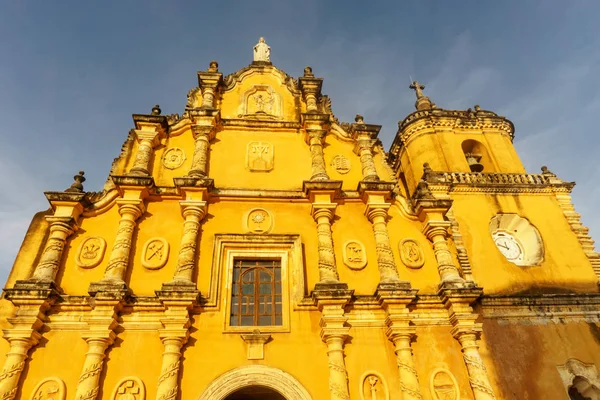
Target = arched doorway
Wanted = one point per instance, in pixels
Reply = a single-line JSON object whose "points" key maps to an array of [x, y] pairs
{"points": [[255, 393], [254, 382]]}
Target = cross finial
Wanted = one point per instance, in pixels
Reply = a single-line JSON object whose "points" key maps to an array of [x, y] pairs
{"points": [[418, 88]]}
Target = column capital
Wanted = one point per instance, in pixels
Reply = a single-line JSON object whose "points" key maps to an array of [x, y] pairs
{"points": [[323, 210], [193, 208], [153, 137], [374, 210], [435, 228], [135, 208], [204, 126]]}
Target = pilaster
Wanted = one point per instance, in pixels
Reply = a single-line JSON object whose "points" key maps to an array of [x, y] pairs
{"points": [[204, 128], [311, 89], [208, 82], [365, 137], [149, 131], [322, 195], [316, 127], [334, 332]]}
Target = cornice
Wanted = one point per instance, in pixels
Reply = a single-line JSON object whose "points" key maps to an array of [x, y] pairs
{"points": [[231, 80]]}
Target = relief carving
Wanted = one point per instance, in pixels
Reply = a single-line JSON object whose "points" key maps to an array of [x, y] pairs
{"points": [[341, 164], [52, 388], [259, 156], [355, 255], [91, 251], [173, 158], [259, 221], [443, 385], [129, 388], [261, 101], [411, 253], [155, 253], [373, 387]]}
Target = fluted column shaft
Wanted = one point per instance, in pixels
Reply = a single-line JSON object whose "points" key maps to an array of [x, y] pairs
{"points": [[200, 158], [385, 257], [60, 230], [338, 377], [14, 364], [319, 172], [167, 381], [193, 212], [409, 380], [327, 266], [119, 256], [88, 384], [446, 267], [366, 161], [478, 378]]}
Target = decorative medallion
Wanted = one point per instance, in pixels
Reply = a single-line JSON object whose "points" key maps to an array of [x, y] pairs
{"points": [[341, 164], [260, 102], [52, 388], [173, 158], [259, 156], [373, 387], [129, 388], [411, 253], [443, 385], [90, 253], [259, 221], [355, 255], [155, 253]]}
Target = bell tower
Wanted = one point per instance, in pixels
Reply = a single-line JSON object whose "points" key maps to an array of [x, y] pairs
{"points": [[472, 140]]}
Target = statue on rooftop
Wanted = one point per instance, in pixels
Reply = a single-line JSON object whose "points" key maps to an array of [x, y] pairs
{"points": [[262, 51]]}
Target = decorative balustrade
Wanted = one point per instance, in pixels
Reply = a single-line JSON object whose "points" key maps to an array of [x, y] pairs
{"points": [[495, 178]]}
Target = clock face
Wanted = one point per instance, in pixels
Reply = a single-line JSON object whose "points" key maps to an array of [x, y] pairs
{"points": [[508, 246]]}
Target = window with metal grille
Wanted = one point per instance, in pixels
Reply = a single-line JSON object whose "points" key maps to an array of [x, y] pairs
{"points": [[256, 293]]}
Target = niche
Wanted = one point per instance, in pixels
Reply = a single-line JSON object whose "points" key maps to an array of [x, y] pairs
{"points": [[477, 156]]}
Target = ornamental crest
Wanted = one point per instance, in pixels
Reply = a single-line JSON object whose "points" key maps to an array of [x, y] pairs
{"points": [[355, 255], [373, 387], [259, 221], [90, 252], [261, 101], [411, 253], [52, 388], [173, 158], [129, 388], [443, 385], [259, 156], [155, 253], [341, 164]]}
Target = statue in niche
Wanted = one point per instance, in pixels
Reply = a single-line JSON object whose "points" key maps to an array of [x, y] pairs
{"points": [[262, 52]]}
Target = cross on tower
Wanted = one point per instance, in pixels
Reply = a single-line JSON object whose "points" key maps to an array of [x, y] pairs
{"points": [[418, 88]]}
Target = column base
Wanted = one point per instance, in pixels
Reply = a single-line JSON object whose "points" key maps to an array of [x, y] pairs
{"points": [[457, 285], [33, 288], [109, 288], [330, 286], [394, 286]]}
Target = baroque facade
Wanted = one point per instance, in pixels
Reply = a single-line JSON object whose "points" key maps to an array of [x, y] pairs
{"points": [[255, 247]]}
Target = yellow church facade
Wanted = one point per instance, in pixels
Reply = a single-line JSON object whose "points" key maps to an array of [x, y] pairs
{"points": [[255, 247]]}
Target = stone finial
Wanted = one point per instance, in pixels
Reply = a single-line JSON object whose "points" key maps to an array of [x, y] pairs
{"points": [[213, 66], [156, 110], [477, 107], [423, 192], [546, 171], [77, 186], [359, 119], [262, 52], [308, 72], [423, 102]]}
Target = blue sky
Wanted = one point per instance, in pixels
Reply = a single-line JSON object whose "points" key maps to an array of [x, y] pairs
{"points": [[73, 72]]}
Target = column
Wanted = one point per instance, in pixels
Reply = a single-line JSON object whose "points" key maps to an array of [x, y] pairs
{"points": [[478, 378], [147, 141], [409, 380], [338, 377], [89, 380], [169, 372], [327, 266], [385, 258], [60, 229], [14, 364], [200, 158], [208, 97], [317, 158], [193, 211], [437, 234], [130, 211], [366, 159]]}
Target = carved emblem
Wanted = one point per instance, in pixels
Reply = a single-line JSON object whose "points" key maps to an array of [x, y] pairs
{"points": [[411, 253], [260, 101], [443, 385], [52, 388], [90, 253], [259, 156], [173, 158], [155, 253], [355, 255], [373, 387], [129, 388], [341, 164], [259, 221]]}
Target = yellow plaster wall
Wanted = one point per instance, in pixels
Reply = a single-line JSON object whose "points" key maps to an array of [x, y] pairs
{"points": [[565, 267]]}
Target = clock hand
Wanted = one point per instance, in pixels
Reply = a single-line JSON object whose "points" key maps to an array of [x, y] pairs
{"points": [[503, 245]]}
